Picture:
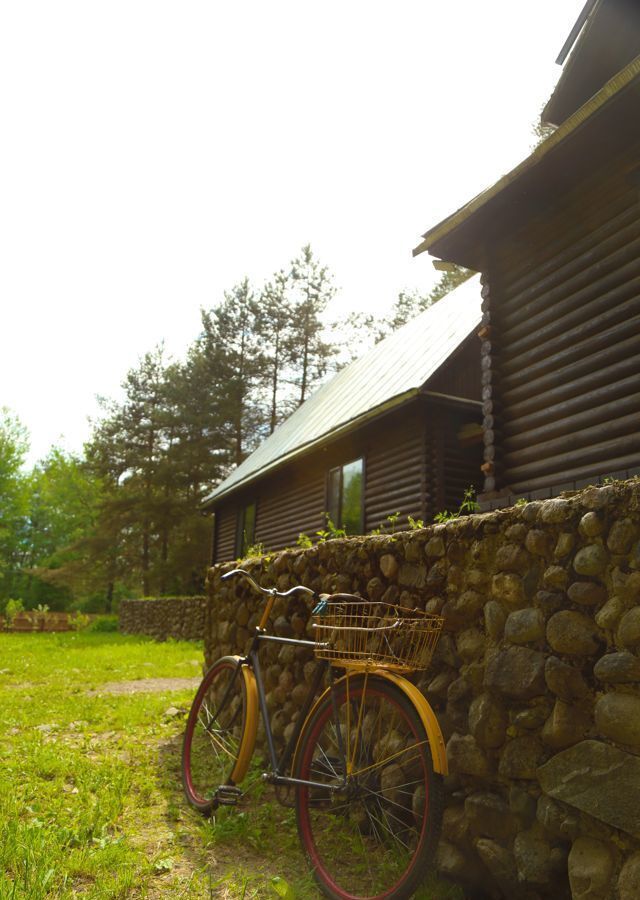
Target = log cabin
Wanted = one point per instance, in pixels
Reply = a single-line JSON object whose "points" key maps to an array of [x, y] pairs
{"points": [[557, 243], [395, 432]]}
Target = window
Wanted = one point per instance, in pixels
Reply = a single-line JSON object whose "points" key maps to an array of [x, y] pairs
{"points": [[344, 496], [245, 528]]}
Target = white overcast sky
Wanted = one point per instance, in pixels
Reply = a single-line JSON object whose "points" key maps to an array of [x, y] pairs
{"points": [[153, 153]]}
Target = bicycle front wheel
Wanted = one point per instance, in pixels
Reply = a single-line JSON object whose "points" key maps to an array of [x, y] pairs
{"points": [[220, 733], [373, 836]]}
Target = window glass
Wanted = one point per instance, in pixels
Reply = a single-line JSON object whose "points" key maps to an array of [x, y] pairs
{"points": [[333, 499], [245, 528], [352, 497], [344, 496]]}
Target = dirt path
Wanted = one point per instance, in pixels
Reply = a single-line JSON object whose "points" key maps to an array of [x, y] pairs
{"points": [[147, 686]]}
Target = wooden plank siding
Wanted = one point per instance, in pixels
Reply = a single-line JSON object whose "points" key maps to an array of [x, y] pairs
{"points": [[408, 469], [561, 367]]}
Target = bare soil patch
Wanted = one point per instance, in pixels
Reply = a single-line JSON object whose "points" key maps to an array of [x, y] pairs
{"points": [[147, 686]]}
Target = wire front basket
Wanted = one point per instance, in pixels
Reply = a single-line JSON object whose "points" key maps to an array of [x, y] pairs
{"points": [[361, 633]]}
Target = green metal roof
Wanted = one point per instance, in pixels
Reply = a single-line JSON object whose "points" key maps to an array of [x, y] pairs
{"points": [[387, 375]]}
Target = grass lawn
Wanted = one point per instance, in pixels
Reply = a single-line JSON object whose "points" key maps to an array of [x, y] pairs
{"points": [[90, 797]]}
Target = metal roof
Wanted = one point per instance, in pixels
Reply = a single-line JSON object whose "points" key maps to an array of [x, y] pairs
{"points": [[387, 375]]}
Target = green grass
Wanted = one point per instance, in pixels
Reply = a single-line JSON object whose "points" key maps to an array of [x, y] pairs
{"points": [[90, 798]]}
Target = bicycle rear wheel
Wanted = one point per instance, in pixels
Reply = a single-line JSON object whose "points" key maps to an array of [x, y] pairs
{"points": [[219, 735], [375, 837]]}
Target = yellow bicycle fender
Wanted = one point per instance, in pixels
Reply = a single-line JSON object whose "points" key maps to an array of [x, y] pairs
{"points": [[250, 731], [429, 720], [427, 715]]}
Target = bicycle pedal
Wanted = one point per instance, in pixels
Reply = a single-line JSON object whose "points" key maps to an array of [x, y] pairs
{"points": [[228, 795]]}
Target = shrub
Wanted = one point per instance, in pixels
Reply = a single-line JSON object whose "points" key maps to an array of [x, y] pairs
{"points": [[104, 623], [79, 621], [11, 609]]}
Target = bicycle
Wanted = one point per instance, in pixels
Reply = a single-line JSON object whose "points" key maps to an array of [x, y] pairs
{"points": [[366, 757]]}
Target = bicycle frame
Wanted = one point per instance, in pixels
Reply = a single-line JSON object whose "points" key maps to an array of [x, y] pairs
{"points": [[279, 766]]}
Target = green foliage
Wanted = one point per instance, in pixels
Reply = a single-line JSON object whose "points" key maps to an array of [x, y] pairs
{"points": [[304, 541], [521, 501], [330, 532], [415, 524], [11, 609], [255, 550], [103, 625], [79, 621], [468, 505]]}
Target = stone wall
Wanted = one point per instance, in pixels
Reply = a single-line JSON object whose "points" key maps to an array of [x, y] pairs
{"points": [[535, 680], [181, 618]]}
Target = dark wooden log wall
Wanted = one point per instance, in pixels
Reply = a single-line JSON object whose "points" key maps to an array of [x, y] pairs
{"points": [[414, 465], [562, 304]]}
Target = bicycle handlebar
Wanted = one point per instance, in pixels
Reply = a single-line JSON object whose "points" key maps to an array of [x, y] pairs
{"points": [[272, 592]]}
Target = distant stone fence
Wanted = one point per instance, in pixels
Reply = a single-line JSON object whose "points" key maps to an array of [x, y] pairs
{"points": [[181, 618], [536, 679]]}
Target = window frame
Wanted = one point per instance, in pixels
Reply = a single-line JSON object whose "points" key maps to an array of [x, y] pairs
{"points": [[338, 520], [243, 540]]}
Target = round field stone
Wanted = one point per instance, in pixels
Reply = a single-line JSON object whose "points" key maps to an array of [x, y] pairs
{"points": [[488, 721], [538, 542], [494, 619], [512, 558], [533, 857], [609, 615], [555, 577], [564, 544], [587, 593], [618, 668], [621, 536], [591, 525], [628, 633], [564, 680], [590, 560], [572, 633], [629, 879], [508, 587], [590, 867], [517, 672], [521, 757], [566, 725], [388, 565], [618, 718], [465, 756], [434, 547], [524, 626], [554, 511]]}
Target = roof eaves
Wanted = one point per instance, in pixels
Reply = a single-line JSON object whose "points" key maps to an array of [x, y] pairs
{"points": [[613, 87], [303, 449]]}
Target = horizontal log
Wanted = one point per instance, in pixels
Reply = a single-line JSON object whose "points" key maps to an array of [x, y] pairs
{"points": [[573, 301], [565, 386], [592, 415], [581, 270], [623, 445], [606, 394], [610, 336], [600, 468], [575, 441], [581, 387], [611, 203]]}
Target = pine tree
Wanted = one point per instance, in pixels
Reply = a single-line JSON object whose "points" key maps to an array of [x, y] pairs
{"points": [[231, 346], [274, 327], [311, 288]]}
